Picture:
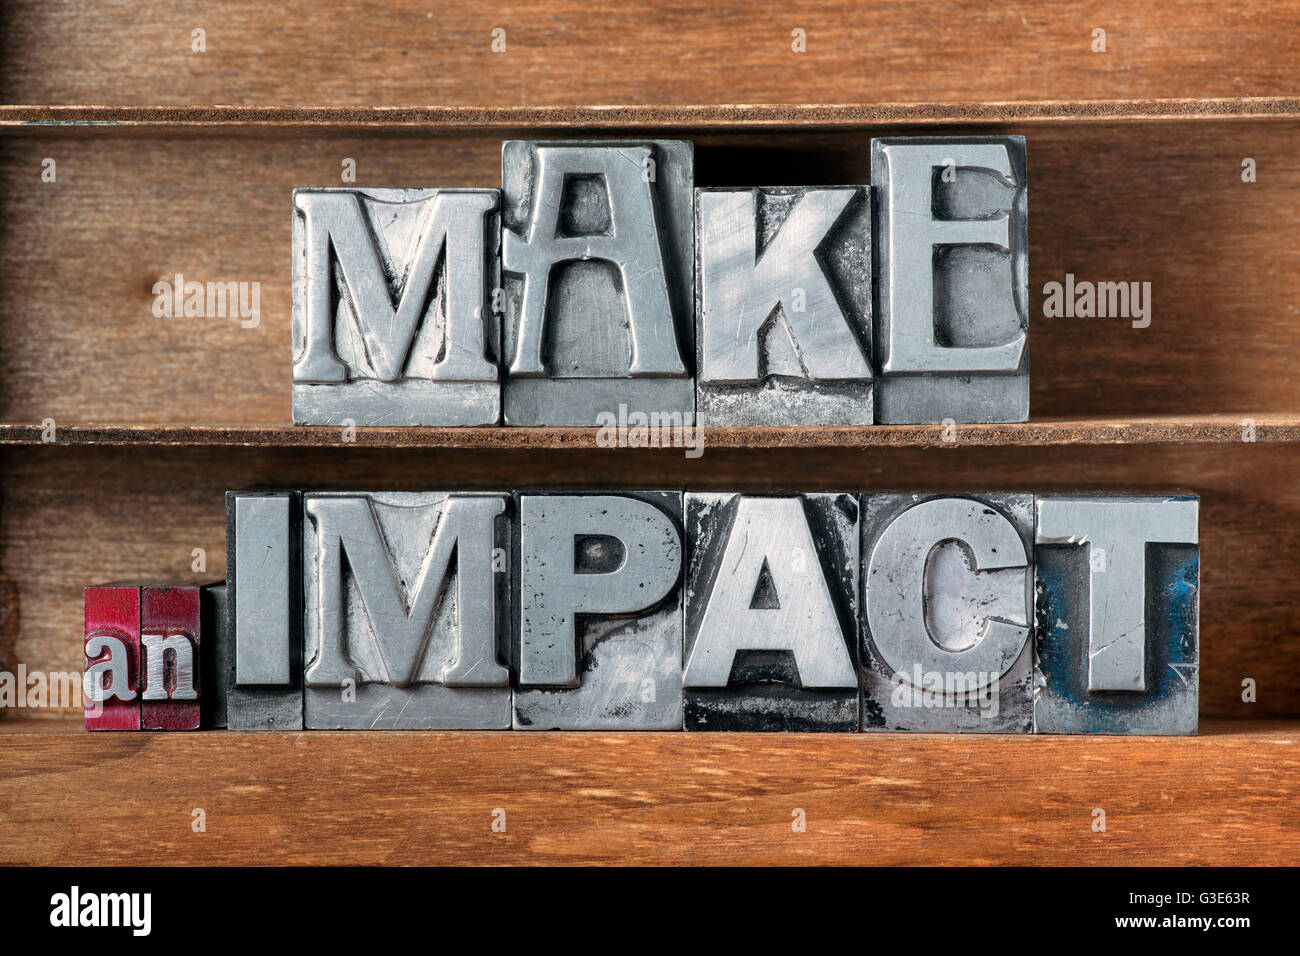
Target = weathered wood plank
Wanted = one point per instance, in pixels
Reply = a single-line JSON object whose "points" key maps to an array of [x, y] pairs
{"points": [[406, 52], [672, 799], [544, 119], [1209, 428]]}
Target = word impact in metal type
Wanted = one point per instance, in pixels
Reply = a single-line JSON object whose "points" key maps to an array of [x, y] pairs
{"points": [[662, 610]]}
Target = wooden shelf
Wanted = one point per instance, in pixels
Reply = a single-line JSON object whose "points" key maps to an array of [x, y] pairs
{"points": [[1224, 279], [81, 514], [1226, 797], [633, 116], [1221, 428], [407, 52]]}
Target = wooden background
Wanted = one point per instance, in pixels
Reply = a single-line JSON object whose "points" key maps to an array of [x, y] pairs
{"points": [[1224, 798], [1139, 201], [583, 52], [170, 161]]}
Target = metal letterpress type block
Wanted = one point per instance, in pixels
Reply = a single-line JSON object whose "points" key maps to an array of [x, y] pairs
{"points": [[952, 279], [215, 652], [783, 306], [771, 620], [393, 320], [599, 619], [946, 613], [264, 620], [597, 256], [1118, 608], [407, 610]]}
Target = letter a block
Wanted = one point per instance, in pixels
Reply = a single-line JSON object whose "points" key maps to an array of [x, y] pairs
{"points": [[170, 639], [111, 683], [392, 306], [783, 306], [263, 647], [597, 252], [771, 619], [946, 613], [952, 279], [1118, 605], [407, 609], [599, 632]]}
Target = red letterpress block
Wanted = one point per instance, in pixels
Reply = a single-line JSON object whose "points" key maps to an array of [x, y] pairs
{"points": [[169, 639], [111, 688]]}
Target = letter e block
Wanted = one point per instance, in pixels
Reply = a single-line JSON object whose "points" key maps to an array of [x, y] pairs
{"points": [[952, 279]]}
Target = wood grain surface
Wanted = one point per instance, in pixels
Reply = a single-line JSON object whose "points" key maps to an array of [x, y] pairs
{"points": [[1227, 797], [1207, 428], [535, 120], [171, 161], [1140, 202], [409, 53]]}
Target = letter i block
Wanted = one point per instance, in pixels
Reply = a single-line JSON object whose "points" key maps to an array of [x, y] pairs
{"points": [[599, 624], [215, 654], [393, 320], [111, 684], [783, 279], [952, 279], [597, 254], [1118, 606], [946, 613], [263, 647], [170, 640], [771, 612], [407, 610]]}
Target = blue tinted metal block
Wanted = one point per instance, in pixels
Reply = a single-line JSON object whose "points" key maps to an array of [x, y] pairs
{"points": [[1118, 615]]}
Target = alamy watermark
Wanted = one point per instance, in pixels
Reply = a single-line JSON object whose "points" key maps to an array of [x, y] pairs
{"points": [[179, 299], [75, 909], [38, 689], [1084, 299], [942, 689], [634, 429]]}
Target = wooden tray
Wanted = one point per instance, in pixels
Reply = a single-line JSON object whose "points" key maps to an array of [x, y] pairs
{"points": [[1135, 174]]}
